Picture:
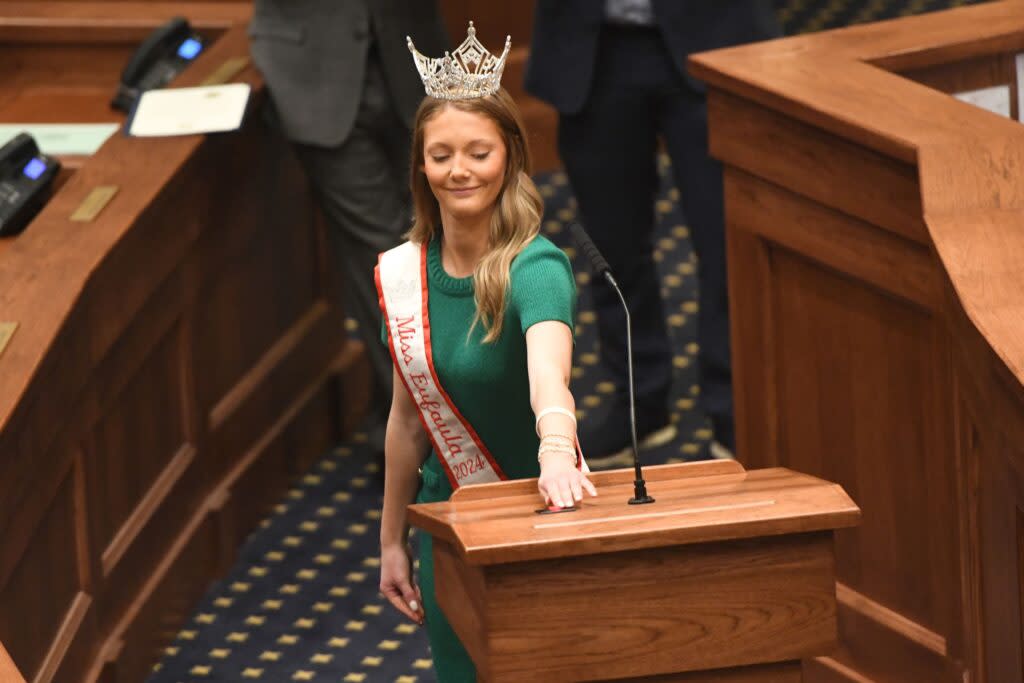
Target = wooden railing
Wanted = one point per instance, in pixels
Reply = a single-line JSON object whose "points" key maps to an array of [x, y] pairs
{"points": [[876, 270]]}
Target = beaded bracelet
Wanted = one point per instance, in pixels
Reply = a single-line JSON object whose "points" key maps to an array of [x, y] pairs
{"points": [[572, 456], [558, 437], [556, 449]]}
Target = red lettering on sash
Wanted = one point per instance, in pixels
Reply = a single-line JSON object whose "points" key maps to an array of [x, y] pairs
{"points": [[421, 383], [406, 331]]}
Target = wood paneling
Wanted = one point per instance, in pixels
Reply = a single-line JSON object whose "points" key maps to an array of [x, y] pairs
{"points": [[136, 424], [174, 364], [786, 672], [786, 608], [44, 584], [873, 242], [816, 164], [859, 382], [493, 21], [180, 581]]}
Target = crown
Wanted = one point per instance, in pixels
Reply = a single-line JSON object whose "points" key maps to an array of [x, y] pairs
{"points": [[471, 71]]}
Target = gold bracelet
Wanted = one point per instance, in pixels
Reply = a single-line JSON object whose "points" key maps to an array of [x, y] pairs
{"points": [[571, 455], [563, 446]]}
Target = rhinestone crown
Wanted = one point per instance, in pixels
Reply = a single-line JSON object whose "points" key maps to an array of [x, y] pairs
{"points": [[471, 71]]}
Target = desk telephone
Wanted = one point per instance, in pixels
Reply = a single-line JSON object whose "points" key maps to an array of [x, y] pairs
{"points": [[26, 182], [162, 55]]}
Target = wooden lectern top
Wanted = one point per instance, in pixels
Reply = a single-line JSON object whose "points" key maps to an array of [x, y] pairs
{"points": [[695, 503]]}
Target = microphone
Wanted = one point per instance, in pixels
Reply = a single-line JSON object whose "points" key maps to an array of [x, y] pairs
{"points": [[600, 266]]}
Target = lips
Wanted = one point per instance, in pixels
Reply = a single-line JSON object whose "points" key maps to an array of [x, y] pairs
{"points": [[463, 191]]}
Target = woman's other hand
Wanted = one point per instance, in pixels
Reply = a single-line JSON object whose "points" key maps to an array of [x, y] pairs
{"points": [[396, 581]]}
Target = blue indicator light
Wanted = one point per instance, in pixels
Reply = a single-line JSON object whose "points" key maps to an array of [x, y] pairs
{"points": [[34, 168], [189, 49]]}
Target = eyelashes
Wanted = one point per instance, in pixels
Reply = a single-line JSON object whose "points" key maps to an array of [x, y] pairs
{"points": [[440, 159]]}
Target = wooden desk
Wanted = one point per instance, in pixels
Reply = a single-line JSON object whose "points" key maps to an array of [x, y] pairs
{"points": [[172, 366], [728, 576], [876, 270]]}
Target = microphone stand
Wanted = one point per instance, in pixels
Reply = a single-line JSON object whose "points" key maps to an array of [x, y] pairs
{"points": [[640, 496], [601, 266]]}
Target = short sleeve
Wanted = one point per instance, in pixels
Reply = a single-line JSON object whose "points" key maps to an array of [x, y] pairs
{"points": [[543, 287]]}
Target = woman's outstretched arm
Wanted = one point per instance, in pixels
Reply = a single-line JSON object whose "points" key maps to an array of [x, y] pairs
{"points": [[549, 361]]}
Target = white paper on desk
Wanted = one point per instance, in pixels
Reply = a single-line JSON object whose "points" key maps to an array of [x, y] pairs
{"points": [[995, 99], [187, 111], [61, 138]]}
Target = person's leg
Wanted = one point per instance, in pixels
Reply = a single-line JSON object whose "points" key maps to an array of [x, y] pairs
{"points": [[683, 115], [609, 154], [452, 663], [364, 198]]}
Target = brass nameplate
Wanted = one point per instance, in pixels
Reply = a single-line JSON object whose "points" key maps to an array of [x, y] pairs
{"points": [[6, 332], [226, 71], [94, 202]]}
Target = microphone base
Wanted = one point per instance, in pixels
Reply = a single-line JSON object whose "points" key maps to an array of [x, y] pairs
{"points": [[640, 500], [640, 496]]}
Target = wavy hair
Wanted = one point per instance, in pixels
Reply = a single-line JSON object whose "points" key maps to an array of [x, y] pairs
{"points": [[517, 213]]}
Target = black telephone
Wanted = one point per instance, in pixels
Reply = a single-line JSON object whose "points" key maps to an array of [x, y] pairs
{"points": [[26, 182], [163, 55]]}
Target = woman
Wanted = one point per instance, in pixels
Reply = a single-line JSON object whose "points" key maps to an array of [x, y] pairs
{"points": [[481, 385]]}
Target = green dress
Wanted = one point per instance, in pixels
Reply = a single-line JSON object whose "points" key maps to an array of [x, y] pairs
{"points": [[490, 386]]}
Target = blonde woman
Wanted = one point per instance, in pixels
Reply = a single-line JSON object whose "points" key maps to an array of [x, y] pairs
{"points": [[479, 312]]}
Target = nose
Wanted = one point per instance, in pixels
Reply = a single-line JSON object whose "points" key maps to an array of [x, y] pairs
{"points": [[459, 171]]}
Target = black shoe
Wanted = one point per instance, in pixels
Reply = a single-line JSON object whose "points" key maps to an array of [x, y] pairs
{"points": [[606, 440]]}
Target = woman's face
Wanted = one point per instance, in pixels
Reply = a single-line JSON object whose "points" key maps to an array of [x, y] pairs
{"points": [[464, 161]]}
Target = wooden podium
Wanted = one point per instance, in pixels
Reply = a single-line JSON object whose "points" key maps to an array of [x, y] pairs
{"points": [[728, 576]]}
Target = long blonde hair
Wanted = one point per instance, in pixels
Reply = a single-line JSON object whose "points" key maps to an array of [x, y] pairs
{"points": [[517, 214]]}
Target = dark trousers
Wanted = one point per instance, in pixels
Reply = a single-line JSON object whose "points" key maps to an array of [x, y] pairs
{"points": [[362, 186], [609, 152]]}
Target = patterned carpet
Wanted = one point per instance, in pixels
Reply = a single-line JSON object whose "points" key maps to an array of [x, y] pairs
{"points": [[301, 603]]}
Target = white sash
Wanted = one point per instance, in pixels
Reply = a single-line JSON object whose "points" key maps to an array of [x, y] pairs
{"points": [[402, 286]]}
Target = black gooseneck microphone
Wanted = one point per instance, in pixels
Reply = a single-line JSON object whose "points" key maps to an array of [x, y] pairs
{"points": [[600, 266]]}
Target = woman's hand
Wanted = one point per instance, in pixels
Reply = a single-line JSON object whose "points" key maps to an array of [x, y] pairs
{"points": [[560, 482], [396, 581]]}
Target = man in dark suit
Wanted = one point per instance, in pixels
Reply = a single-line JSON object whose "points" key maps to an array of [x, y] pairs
{"points": [[616, 72], [345, 90]]}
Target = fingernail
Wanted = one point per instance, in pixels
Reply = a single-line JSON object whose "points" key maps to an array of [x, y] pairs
{"points": [[414, 606]]}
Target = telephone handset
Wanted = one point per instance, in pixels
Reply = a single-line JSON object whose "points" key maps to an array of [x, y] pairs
{"points": [[162, 55], [26, 182]]}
